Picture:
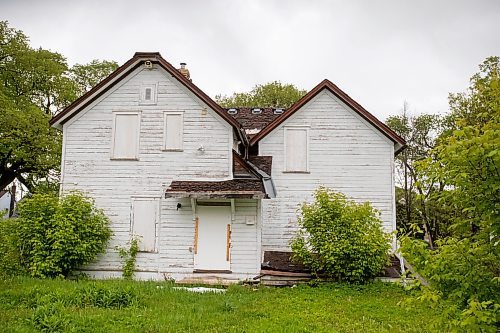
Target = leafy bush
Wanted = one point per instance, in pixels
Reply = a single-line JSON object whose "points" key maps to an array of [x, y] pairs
{"points": [[463, 282], [129, 257], [341, 238], [58, 235], [10, 258]]}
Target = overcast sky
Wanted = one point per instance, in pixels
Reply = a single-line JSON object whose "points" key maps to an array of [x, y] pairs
{"points": [[381, 53]]}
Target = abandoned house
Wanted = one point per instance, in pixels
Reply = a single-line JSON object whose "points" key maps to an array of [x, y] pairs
{"points": [[213, 193]]}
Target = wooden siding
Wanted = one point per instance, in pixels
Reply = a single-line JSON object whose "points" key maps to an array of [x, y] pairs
{"points": [[345, 153], [113, 183]]}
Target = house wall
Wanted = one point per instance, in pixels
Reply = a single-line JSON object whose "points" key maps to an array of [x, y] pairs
{"points": [[174, 258], [345, 153], [5, 205], [87, 166]]}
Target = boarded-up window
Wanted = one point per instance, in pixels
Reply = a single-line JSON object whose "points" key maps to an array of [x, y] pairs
{"points": [[296, 149], [173, 131], [125, 138], [144, 218], [148, 93]]}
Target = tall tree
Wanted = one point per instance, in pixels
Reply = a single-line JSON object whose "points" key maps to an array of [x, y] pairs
{"points": [[464, 271], [272, 94], [421, 133], [35, 84], [88, 75]]}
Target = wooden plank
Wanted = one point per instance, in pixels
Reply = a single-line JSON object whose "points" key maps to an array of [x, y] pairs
{"points": [[228, 242], [196, 223], [282, 273], [213, 271]]}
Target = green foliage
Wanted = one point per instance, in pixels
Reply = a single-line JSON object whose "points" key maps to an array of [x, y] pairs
{"points": [[341, 238], [158, 307], [50, 317], [272, 94], [29, 148], [35, 84], [87, 76], [57, 236], [10, 258], [414, 208], [106, 297], [464, 271], [129, 256]]}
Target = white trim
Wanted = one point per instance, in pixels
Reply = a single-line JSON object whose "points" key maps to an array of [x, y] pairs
{"points": [[181, 131], [258, 231], [296, 127], [63, 161], [233, 210], [194, 208], [393, 194], [230, 153], [113, 130], [154, 93], [135, 198]]}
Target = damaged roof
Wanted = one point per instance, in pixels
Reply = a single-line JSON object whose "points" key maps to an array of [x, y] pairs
{"points": [[263, 163], [235, 188], [253, 120]]}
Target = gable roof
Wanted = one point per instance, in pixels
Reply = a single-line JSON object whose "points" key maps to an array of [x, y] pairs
{"points": [[328, 85], [136, 61]]}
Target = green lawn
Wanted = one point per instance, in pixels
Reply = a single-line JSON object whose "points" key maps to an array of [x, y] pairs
{"points": [[28, 305]]}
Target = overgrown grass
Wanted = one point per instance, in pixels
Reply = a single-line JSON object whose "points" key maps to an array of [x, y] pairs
{"points": [[29, 305]]}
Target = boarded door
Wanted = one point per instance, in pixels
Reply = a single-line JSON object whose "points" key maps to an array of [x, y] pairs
{"points": [[213, 243], [144, 217]]}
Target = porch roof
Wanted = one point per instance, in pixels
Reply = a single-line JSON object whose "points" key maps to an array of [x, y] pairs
{"points": [[235, 189]]}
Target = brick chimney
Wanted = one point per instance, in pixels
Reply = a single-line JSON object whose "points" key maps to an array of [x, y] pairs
{"points": [[184, 71]]}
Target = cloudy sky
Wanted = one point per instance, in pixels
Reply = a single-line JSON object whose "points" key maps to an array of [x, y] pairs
{"points": [[379, 52]]}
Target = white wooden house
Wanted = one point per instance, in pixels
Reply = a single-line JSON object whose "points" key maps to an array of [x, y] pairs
{"points": [[5, 203], [212, 193]]}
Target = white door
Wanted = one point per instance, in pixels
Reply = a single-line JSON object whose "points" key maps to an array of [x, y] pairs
{"points": [[213, 238]]}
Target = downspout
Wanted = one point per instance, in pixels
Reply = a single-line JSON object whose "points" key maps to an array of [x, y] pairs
{"points": [[267, 181]]}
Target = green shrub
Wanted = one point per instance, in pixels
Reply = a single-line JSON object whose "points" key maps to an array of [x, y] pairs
{"points": [[129, 257], [463, 281], [58, 235], [341, 238], [10, 258]]}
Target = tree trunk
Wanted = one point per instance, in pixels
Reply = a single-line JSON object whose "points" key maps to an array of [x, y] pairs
{"points": [[6, 178], [12, 199]]}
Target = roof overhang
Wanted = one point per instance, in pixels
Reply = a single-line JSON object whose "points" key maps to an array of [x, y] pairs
{"points": [[225, 189], [216, 195]]}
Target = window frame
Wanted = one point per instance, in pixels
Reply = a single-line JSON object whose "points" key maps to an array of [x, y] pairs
{"points": [[285, 146], [113, 135], [181, 133], [154, 94]]}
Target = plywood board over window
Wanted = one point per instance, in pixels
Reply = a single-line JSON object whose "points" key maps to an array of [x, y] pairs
{"points": [[125, 136], [144, 222], [296, 149], [173, 130]]}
